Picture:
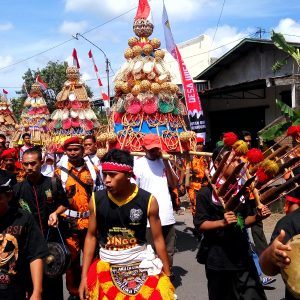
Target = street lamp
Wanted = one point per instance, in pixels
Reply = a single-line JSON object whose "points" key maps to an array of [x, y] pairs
{"points": [[107, 62]]}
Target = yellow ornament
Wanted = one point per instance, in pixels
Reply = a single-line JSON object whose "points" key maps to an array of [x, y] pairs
{"points": [[125, 88], [136, 90], [132, 41], [128, 53], [147, 49], [165, 86], [155, 43], [159, 54], [155, 88], [137, 50], [145, 85]]}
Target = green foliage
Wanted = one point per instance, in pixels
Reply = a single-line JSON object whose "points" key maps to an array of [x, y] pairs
{"points": [[292, 117], [17, 106], [54, 75], [281, 43]]}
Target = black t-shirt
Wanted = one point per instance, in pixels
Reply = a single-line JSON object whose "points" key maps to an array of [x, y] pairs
{"points": [[10, 175], [21, 243], [122, 226], [291, 225], [228, 248], [41, 199]]}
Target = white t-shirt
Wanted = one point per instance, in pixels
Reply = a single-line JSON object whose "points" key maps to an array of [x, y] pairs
{"points": [[151, 176]]}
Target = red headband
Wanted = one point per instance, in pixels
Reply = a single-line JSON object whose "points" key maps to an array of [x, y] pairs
{"points": [[112, 166]]}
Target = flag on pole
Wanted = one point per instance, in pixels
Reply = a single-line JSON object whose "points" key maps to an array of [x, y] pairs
{"points": [[42, 84], [5, 91], [75, 59], [195, 112], [105, 99], [144, 11]]}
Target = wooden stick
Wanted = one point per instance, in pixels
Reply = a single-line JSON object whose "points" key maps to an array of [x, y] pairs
{"points": [[254, 191]]}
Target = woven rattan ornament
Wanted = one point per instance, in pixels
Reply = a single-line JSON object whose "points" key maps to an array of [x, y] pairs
{"points": [[150, 104], [128, 53], [147, 49], [187, 135], [145, 85], [155, 88], [101, 152], [151, 76], [166, 87], [72, 73], [159, 54], [118, 86], [132, 41], [155, 43], [125, 88], [112, 137], [142, 28], [102, 138], [136, 141], [136, 90], [133, 105], [170, 139], [137, 50]]}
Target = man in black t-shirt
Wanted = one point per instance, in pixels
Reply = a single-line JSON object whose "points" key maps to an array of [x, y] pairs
{"points": [[21, 248], [45, 199]]}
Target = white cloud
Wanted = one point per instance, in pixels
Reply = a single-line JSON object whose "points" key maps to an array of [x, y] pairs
{"points": [[5, 61], [289, 27], [227, 37], [73, 27], [6, 26]]}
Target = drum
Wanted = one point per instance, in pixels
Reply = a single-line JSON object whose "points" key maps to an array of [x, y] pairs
{"points": [[291, 274]]}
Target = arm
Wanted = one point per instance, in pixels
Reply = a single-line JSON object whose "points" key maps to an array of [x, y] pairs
{"points": [[53, 218], [88, 252], [157, 235], [275, 256], [172, 178], [262, 213], [36, 270], [229, 219]]}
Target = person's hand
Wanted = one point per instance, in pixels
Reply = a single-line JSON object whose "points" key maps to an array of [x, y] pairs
{"points": [[263, 212], [36, 296], [53, 220], [83, 290], [230, 218], [279, 255]]}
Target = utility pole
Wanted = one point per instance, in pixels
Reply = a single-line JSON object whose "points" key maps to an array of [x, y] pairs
{"points": [[107, 62], [260, 32]]}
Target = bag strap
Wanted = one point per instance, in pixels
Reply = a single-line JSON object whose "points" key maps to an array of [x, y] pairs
{"points": [[77, 179], [62, 240], [54, 186]]}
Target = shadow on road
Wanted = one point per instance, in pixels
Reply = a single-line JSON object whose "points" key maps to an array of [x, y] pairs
{"points": [[186, 241], [178, 272]]}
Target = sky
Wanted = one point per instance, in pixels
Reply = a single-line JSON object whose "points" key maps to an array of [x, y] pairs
{"points": [[34, 32]]}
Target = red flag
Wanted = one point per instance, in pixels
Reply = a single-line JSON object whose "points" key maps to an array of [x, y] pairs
{"points": [[75, 59], [144, 11], [90, 54], [39, 80], [5, 91], [104, 96], [100, 82]]}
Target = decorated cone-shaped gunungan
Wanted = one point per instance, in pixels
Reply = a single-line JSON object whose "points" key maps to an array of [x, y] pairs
{"points": [[73, 115], [8, 120], [34, 117], [146, 101]]}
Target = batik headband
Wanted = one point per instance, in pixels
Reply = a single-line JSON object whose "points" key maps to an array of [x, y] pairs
{"points": [[112, 166]]}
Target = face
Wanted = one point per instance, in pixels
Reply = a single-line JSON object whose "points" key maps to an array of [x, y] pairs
{"points": [[4, 201], [248, 140], [153, 153], [74, 153], [199, 147], [32, 164], [9, 163], [116, 182], [27, 140], [89, 147]]}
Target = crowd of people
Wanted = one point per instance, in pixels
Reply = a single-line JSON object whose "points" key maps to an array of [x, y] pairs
{"points": [[114, 220]]}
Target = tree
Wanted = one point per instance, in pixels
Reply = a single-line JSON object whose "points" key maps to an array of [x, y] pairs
{"points": [[54, 75]]}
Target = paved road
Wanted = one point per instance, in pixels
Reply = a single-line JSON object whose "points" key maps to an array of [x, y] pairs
{"points": [[190, 280], [190, 276]]}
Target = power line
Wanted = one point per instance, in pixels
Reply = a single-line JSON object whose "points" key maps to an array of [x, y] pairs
{"points": [[218, 23]]}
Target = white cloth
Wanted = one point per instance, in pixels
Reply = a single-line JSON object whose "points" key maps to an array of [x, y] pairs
{"points": [[144, 255], [151, 176], [47, 170]]}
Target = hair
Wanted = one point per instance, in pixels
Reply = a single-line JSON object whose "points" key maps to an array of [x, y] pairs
{"points": [[34, 150], [218, 150], [3, 145], [24, 135], [90, 137], [3, 136], [245, 133], [118, 156]]}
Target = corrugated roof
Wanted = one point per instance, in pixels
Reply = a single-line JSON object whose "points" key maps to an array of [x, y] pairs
{"points": [[244, 46]]}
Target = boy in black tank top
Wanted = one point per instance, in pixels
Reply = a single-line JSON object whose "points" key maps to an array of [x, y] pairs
{"points": [[119, 215]]}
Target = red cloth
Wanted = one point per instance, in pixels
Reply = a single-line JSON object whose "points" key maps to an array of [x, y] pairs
{"points": [[151, 141], [199, 139], [9, 153]]}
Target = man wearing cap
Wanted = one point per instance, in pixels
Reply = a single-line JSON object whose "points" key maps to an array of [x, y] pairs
{"points": [[11, 164], [21, 248], [155, 175], [45, 199], [197, 179], [79, 181]]}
